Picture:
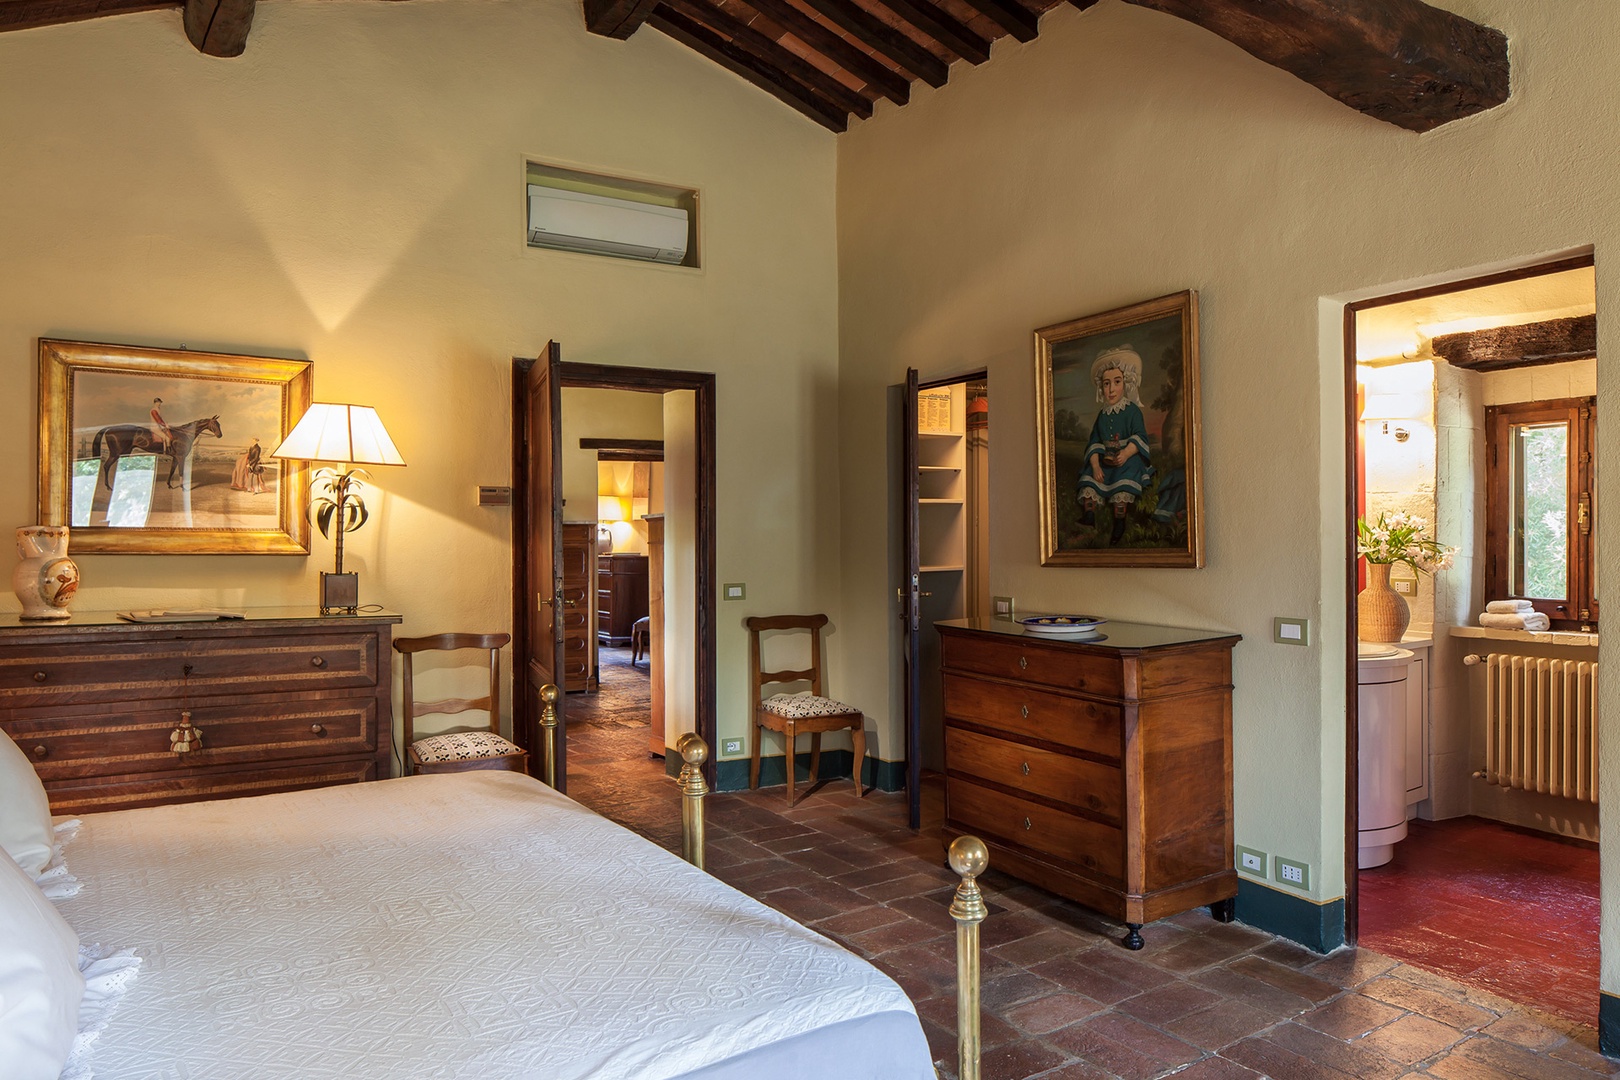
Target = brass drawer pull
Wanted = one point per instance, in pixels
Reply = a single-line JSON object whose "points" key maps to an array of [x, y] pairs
{"points": [[316, 729], [1024, 709], [1022, 663], [42, 751], [318, 661], [39, 676], [1026, 768], [1027, 825]]}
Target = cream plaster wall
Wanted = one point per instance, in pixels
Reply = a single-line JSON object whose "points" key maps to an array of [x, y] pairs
{"points": [[1124, 155], [351, 190], [589, 413]]}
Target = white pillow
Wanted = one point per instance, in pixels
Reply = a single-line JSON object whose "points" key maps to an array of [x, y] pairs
{"points": [[40, 984], [25, 812]]}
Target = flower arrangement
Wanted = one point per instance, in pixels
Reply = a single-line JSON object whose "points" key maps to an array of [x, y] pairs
{"points": [[1402, 538]]}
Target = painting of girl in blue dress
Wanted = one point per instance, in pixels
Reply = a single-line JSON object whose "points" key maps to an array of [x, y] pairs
{"points": [[1118, 464]]}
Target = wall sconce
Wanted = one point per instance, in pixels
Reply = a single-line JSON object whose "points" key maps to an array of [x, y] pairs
{"points": [[1384, 408], [348, 435]]}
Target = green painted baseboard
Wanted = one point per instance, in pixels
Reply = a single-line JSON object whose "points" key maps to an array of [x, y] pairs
{"points": [[1609, 1024], [1318, 927], [733, 775]]}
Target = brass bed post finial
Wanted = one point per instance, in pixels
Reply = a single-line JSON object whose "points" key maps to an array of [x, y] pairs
{"points": [[695, 752], [548, 726], [969, 858]]}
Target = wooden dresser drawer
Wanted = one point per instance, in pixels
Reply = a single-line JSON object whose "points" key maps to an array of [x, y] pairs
{"points": [[1098, 790], [121, 793], [1090, 846], [1024, 660], [113, 740], [1022, 711], [60, 674]]}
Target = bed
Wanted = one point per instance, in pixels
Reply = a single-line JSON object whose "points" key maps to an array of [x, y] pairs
{"points": [[461, 925]]}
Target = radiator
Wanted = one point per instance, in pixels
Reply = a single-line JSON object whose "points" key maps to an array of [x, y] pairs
{"points": [[1540, 724]]}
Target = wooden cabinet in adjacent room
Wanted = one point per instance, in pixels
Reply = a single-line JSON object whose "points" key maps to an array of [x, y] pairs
{"points": [[621, 596], [1099, 768], [281, 700], [578, 569]]}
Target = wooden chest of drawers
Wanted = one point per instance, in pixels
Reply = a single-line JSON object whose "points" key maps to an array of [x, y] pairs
{"points": [[285, 699], [1100, 769], [621, 596], [578, 571]]}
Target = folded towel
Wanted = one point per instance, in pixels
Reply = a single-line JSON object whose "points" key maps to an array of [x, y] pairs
{"points": [[1535, 620], [1510, 607]]}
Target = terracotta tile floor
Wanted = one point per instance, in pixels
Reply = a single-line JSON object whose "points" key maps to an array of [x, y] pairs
{"points": [[1493, 907], [1063, 1001]]}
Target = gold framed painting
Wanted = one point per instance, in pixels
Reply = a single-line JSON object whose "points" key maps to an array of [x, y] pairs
{"points": [[167, 451], [1119, 440]]}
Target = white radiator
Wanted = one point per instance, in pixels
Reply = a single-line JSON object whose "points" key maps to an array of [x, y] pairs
{"points": [[1540, 724]]}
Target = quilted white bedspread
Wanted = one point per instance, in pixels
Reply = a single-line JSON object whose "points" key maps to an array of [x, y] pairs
{"points": [[465, 925]]}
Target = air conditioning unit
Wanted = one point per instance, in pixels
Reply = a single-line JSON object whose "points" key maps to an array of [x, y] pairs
{"points": [[602, 225]]}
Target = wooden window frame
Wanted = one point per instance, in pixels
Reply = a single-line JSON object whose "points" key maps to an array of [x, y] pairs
{"points": [[1579, 610]]}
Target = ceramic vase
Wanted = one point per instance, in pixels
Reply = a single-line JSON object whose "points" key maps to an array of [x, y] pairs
{"points": [[1381, 612], [46, 579]]}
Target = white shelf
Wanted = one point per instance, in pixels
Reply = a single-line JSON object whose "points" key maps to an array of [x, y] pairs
{"points": [[940, 434], [942, 569], [939, 468], [939, 502]]}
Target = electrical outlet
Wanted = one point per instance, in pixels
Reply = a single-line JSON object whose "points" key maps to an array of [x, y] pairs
{"points": [[731, 746], [1251, 861], [1292, 873], [1291, 631], [1405, 586], [1001, 607]]}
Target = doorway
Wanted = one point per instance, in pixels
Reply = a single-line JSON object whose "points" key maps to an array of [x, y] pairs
{"points": [[1471, 411], [560, 570]]}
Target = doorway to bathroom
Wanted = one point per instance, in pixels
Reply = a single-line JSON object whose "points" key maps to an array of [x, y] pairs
{"points": [[1472, 823]]}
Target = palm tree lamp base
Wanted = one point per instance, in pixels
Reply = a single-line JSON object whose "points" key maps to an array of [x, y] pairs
{"points": [[340, 594]]}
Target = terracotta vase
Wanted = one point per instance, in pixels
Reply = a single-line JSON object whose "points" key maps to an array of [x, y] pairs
{"points": [[46, 579], [1381, 612]]}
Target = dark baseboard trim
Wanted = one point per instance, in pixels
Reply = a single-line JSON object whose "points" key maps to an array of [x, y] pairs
{"points": [[1609, 1024], [1318, 927], [733, 775]]}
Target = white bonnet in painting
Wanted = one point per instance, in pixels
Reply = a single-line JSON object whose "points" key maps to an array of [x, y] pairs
{"points": [[1128, 362]]}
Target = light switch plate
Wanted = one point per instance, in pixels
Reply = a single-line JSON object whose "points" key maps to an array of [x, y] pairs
{"points": [[1001, 607], [730, 746], [1286, 631], [734, 590]]}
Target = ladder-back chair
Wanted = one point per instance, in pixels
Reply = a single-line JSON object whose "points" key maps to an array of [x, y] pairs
{"points": [[794, 714], [457, 751]]}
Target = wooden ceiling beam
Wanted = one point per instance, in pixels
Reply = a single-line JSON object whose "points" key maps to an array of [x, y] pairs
{"points": [[30, 14], [1554, 341], [1011, 16], [943, 28], [1399, 61], [902, 51], [617, 18], [219, 27], [744, 64], [770, 53], [836, 48]]}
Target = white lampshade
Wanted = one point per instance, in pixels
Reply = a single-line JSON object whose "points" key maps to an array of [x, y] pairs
{"points": [[348, 433], [610, 508]]}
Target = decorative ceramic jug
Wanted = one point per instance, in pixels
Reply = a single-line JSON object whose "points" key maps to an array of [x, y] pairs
{"points": [[46, 579], [1381, 612]]}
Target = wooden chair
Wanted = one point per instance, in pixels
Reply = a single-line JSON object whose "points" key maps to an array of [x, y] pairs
{"points": [[796, 714], [640, 631], [457, 751]]}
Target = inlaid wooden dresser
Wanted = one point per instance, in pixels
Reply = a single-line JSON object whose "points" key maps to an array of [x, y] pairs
{"points": [[284, 699], [1099, 768], [579, 586], [621, 595]]}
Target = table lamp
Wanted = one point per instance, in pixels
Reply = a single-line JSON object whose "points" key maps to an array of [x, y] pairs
{"points": [[349, 435]]}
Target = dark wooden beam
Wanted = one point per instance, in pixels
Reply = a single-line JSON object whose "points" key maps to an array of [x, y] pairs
{"points": [[836, 48], [942, 27], [644, 445], [29, 14], [1400, 61], [1011, 16], [894, 45], [629, 455], [773, 55], [219, 27], [744, 64], [617, 18], [1526, 345]]}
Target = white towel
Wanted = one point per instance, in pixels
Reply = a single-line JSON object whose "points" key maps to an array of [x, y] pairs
{"points": [[1532, 621], [1510, 607]]}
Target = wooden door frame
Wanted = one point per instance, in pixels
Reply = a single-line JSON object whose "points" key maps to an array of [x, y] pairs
{"points": [[644, 380], [1352, 884]]}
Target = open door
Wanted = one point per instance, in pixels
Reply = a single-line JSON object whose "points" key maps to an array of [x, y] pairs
{"points": [[538, 460], [911, 597]]}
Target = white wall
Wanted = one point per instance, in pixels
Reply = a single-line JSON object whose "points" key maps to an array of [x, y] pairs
{"points": [[1125, 155]]}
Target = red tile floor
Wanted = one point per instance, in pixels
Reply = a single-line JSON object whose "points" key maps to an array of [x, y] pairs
{"points": [[1504, 910], [1062, 1000]]}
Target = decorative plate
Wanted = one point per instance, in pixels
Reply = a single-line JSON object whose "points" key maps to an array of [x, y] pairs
{"points": [[1061, 625]]}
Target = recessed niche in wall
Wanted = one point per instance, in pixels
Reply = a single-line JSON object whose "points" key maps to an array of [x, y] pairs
{"points": [[569, 210]]}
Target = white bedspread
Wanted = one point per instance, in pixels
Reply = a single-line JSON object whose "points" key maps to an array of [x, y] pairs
{"points": [[465, 925]]}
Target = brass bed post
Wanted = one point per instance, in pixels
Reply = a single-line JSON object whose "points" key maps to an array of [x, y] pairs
{"points": [[548, 728], [694, 751], [969, 858]]}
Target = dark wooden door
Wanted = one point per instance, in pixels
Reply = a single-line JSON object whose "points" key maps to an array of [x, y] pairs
{"points": [[542, 415], [911, 597]]}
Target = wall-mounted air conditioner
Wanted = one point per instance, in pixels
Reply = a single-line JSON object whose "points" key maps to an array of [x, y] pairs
{"points": [[601, 225]]}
